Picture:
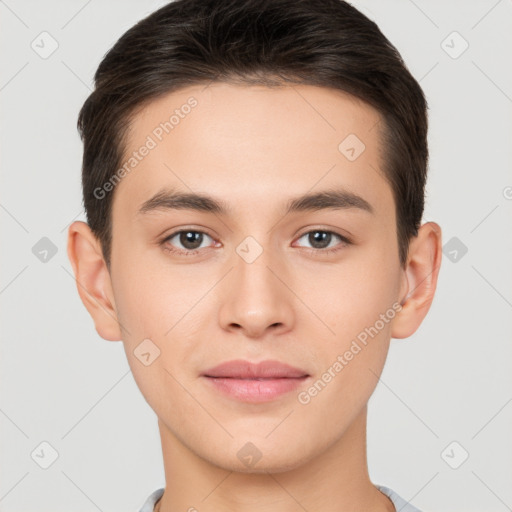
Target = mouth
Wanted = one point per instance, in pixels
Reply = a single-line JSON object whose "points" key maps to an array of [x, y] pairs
{"points": [[240, 369], [255, 383], [255, 390]]}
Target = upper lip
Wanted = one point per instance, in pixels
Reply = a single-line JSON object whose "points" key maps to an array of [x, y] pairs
{"points": [[241, 369]]}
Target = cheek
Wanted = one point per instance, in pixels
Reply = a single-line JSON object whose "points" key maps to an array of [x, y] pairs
{"points": [[356, 295], [351, 364], [146, 300], [358, 303], [150, 314], [160, 313]]}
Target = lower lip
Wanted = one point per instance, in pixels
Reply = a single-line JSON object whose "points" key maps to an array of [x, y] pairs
{"points": [[255, 391]]}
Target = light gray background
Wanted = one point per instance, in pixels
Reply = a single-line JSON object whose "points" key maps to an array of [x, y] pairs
{"points": [[61, 383]]}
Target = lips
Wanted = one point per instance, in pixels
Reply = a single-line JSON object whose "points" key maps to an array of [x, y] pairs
{"points": [[255, 383], [240, 369]]}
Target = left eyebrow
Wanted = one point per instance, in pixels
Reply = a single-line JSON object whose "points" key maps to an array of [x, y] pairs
{"points": [[327, 199]]}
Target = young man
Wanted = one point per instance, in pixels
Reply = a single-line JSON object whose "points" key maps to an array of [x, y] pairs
{"points": [[253, 180]]}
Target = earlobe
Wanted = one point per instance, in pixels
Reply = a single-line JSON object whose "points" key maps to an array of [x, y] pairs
{"points": [[93, 280], [420, 279]]}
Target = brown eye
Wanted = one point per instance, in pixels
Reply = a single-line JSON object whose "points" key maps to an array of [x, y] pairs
{"points": [[321, 240], [186, 240]]}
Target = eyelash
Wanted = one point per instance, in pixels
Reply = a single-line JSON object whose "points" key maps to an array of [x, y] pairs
{"points": [[316, 252]]}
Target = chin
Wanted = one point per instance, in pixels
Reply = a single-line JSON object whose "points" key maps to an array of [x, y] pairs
{"points": [[254, 458]]}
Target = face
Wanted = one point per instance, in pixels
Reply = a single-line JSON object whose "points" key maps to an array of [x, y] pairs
{"points": [[253, 273]]}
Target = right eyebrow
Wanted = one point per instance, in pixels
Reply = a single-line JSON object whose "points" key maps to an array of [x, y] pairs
{"points": [[173, 200]]}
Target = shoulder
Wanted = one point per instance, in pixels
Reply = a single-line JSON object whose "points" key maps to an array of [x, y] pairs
{"points": [[151, 500], [398, 501]]}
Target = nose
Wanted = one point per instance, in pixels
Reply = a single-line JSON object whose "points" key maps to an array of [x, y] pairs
{"points": [[257, 298]]}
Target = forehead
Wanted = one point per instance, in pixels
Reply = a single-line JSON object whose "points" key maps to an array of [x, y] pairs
{"points": [[248, 144]]}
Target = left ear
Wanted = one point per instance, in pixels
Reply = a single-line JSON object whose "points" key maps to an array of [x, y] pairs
{"points": [[420, 280]]}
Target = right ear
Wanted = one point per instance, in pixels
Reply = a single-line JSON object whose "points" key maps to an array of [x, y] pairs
{"points": [[93, 279]]}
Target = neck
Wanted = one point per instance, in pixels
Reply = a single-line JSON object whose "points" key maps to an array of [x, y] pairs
{"points": [[335, 480]]}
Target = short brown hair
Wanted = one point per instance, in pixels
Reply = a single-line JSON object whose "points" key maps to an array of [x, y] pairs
{"points": [[325, 43]]}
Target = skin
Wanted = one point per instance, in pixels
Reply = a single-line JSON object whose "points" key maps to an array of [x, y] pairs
{"points": [[255, 148]]}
